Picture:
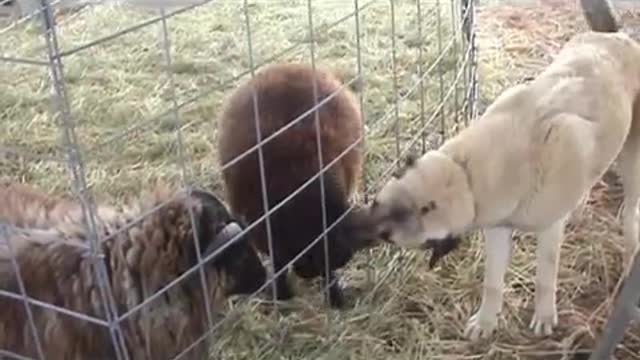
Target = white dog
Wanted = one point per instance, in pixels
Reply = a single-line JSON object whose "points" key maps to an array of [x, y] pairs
{"points": [[526, 163]]}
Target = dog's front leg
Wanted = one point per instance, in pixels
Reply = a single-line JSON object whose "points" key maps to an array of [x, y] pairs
{"points": [[547, 258], [498, 254]]}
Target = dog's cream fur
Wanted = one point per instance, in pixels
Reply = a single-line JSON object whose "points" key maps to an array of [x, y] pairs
{"points": [[526, 164]]}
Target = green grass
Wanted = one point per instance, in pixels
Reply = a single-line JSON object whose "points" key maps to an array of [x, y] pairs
{"points": [[124, 83], [400, 309]]}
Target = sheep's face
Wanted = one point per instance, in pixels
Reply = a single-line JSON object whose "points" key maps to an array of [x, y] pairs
{"points": [[240, 261], [354, 233], [221, 234]]}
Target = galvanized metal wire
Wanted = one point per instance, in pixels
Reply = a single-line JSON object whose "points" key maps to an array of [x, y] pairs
{"points": [[75, 154], [76, 169]]}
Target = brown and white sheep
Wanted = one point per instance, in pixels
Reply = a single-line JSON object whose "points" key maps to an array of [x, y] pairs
{"points": [[26, 207], [284, 92], [56, 268]]}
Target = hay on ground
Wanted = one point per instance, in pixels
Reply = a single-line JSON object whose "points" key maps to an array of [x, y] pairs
{"points": [[402, 310]]}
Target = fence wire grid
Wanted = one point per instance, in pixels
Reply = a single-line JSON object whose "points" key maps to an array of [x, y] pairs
{"points": [[102, 98]]}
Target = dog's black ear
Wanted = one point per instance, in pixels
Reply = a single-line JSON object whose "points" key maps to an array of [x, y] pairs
{"points": [[441, 248], [408, 162], [399, 172]]}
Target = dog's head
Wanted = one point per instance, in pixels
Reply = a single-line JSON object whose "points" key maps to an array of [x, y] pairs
{"points": [[430, 201]]}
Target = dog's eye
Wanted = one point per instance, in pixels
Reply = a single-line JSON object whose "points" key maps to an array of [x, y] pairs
{"points": [[385, 235], [431, 205]]}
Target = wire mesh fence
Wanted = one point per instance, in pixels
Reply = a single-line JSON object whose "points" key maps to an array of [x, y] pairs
{"points": [[101, 101]]}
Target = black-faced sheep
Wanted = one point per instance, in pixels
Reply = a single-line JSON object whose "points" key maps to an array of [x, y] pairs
{"points": [[284, 92], [55, 266]]}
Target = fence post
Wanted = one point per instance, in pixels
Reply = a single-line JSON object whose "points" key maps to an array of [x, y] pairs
{"points": [[61, 112], [624, 309]]}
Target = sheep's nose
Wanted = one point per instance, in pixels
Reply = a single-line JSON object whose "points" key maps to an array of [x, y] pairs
{"points": [[385, 236]]}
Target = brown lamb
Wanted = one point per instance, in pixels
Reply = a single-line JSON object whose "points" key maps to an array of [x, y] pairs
{"points": [[284, 92]]}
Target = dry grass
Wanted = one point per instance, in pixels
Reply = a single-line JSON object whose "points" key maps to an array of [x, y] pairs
{"points": [[401, 310]]}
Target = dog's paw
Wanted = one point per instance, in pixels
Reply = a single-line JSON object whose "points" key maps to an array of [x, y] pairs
{"points": [[480, 325], [543, 323]]}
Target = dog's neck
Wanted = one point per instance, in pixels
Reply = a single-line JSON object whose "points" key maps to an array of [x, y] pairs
{"points": [[461, 163], [467, 151], [495, 197]]}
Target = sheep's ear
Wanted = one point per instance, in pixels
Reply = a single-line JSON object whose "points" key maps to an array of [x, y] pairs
{"points": [[230, 232], [211, 204], [209, 222]]}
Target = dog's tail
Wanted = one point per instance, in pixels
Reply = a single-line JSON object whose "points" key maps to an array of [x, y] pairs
{"points": [[600, 15]]}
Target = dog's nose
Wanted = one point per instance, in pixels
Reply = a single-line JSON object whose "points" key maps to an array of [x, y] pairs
{"points": [[385, 236]]}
